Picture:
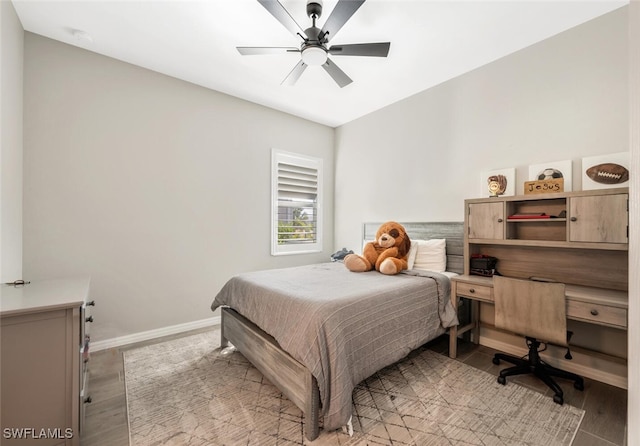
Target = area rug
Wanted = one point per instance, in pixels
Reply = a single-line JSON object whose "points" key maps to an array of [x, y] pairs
{"points": [[184, 392]]}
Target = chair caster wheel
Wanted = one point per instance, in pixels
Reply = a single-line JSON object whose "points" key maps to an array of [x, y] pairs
{"points": [[558, 399], [496, 361], [579, 385], [502, 380]]}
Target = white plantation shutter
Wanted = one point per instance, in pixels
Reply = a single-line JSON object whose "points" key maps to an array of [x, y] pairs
{"points": [[296, 203]]}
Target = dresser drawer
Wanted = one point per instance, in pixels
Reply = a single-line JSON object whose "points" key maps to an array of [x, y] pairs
{"points": [[474, 291], [597, 314]]}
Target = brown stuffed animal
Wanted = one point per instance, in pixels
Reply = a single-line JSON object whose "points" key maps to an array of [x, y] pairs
{"points": [[387, 254]]}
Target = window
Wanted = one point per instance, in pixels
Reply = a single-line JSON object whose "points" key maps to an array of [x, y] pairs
{"points": [[296, 194]]}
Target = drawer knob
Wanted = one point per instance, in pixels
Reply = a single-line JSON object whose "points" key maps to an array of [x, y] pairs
{"points": [[91, 303], [594, 312], [574, 219], [472, 290], [89, 319], [500, 220], [87, 399]]}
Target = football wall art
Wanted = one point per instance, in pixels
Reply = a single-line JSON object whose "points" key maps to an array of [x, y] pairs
{"points": [[551, 171], [605, 171]]}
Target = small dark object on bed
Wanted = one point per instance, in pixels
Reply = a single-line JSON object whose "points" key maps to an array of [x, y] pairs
{"points": [[338, 256]]}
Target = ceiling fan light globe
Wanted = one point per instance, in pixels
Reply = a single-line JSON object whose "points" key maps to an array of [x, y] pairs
{"points": [[314, 56]]}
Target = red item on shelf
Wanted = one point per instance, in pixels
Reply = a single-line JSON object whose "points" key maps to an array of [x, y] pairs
{"points": [[528, 216]]}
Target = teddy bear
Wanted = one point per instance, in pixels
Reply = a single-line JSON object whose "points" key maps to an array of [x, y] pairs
{"points": [[386, 254]]}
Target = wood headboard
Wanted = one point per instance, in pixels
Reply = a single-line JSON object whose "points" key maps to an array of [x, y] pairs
{"points": [[453, 232]]}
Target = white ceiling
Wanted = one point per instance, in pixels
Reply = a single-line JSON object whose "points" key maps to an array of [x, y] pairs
{"points": [[431, 42]]}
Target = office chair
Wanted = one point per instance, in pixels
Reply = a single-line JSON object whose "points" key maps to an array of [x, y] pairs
{"points": [[536, 310]]}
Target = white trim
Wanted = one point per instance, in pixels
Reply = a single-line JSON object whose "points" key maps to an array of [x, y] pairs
{"points": [[152, 334], [311, 162]]}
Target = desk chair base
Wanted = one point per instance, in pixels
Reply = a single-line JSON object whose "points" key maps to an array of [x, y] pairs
{"points": [[534, 365]]}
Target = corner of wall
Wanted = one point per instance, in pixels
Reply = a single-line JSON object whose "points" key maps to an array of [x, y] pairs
{"points": [[11, 142]]}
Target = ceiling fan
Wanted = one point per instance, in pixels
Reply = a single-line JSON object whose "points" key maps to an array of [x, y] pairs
{"points": [[314, 50]]}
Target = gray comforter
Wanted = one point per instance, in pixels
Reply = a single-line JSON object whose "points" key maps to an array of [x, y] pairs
{"points": [[342, 326]]}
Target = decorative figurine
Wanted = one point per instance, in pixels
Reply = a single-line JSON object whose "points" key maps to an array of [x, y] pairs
{"points": [[497, 184]]}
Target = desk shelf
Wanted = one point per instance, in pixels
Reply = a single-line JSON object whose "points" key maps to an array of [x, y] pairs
{"points": [[536, 220], [548, 244]]}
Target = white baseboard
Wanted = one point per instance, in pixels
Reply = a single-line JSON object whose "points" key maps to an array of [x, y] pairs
{"points": [[152, 334]]}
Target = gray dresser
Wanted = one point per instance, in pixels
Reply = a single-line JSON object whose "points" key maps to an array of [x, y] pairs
{"points": [[44, 361]]}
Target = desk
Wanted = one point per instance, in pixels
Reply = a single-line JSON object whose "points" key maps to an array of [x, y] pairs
{"points": [[586, 244], [592, 305]]}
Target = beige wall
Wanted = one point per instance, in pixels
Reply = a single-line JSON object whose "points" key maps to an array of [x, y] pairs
{"points": [[417, 160], [11, 51], [156, 188]]}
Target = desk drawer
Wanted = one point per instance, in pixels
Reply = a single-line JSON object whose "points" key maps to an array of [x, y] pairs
{"points": [[597, 314], [478, 292]]}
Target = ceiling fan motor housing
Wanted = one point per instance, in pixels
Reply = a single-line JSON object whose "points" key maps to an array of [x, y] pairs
{"points": [[314, 8], [313, 35]]}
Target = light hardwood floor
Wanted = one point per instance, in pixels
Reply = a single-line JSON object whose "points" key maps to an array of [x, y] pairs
{"points": [[605, 406]]}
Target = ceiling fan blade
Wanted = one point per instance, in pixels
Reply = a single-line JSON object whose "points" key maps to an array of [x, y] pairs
{"points": [[336, 73], [361, 49], [295, 74], [342, 12], [282, 15], [257, 50]]}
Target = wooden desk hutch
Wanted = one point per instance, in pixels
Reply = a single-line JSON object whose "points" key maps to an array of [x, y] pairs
{"points": [[582, 241]]}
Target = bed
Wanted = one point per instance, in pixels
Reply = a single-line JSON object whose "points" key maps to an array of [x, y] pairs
{"points": [[316, 331]]}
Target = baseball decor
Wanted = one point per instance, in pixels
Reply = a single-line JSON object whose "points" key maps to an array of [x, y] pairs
{"points": [[496, 184]]}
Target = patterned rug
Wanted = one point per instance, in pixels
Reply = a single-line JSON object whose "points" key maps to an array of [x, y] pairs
{"points": [[183, 392]]}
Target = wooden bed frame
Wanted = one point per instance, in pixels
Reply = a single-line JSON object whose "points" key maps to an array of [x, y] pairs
{"points": [[281, 369]]}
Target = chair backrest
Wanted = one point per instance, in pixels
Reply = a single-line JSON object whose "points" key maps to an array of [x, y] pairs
{"points": [[529, 308]]}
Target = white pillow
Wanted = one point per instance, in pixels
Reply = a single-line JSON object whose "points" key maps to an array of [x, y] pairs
{"points": [[411, 255], [430, 255]]}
